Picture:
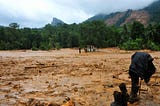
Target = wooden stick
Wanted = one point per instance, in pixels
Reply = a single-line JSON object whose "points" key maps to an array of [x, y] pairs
{"points": [[140, 87]]}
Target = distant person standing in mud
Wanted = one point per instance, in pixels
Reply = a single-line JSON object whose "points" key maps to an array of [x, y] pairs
{"points": [[79, 50], [141, 67]]}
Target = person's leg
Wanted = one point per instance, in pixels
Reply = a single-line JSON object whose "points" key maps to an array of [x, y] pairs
{"points": [[134, 87]]}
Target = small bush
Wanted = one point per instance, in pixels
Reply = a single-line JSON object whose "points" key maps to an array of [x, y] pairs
{"points": [[132, 44], [57, 46], [152, 46], [45, 46], [34, 48]]}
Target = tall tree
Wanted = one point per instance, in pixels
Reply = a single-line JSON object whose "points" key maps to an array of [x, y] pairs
{"points": [[137, 30], [14, 25]]}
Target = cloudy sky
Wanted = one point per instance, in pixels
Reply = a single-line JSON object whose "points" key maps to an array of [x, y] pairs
{"points": [[37, 13]]}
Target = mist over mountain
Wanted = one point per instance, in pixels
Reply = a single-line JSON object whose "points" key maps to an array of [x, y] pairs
{"points": [[149, 14]]}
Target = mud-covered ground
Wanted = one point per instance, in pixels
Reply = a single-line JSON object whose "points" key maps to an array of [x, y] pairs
{"points": [[89, 79]]}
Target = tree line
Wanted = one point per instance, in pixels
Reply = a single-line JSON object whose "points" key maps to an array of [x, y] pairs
{"points": [[132, 36]]}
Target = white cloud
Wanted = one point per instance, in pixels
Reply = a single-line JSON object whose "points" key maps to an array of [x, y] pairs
{"points": [[37, 13]]}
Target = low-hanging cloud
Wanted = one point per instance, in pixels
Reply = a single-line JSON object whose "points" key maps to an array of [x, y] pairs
{"points": [[37, 13]]}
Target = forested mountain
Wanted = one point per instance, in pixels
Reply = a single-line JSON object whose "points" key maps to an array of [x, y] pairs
{"points": [[149, 14]]}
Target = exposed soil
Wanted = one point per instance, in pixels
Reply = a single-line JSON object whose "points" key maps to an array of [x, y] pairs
{"points": [[89, 79]]}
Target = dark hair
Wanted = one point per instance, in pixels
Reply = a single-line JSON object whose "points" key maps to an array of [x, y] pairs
{"points": [[122, 87]]}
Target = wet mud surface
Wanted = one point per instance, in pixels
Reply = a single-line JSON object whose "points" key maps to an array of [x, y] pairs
{"points": [[89, 79]]}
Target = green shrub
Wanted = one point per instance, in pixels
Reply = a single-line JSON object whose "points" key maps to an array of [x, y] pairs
{"points": [[45, 46], [57, 46], [152, 46], [34, 48], [132, 44]]}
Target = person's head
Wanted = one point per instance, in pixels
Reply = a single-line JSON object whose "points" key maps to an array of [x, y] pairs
{"points": [[122, 87], [117, 96]]}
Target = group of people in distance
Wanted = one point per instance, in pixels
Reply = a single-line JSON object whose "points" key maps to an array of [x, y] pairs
{"points": [[141, 67]]}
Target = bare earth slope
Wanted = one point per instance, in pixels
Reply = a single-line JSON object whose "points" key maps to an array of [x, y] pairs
{"points": [[89, 79], [129, 16]]}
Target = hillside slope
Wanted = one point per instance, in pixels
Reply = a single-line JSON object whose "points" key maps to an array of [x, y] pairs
{"points": [[146, 15]]}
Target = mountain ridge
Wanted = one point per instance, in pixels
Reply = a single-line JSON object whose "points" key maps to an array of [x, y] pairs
{"points": [[56, 22], [146, 15]]}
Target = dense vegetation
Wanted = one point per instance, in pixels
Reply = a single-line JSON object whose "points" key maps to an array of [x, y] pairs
{"points": [[132, 36]]}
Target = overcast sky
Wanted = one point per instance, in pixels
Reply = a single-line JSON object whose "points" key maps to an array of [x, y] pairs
{"points": [[37, 13]]}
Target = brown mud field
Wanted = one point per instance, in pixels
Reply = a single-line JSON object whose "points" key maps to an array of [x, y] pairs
{"points": [[89, 79]]}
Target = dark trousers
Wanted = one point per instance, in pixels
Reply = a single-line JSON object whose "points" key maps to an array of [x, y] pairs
{"points": [[135, 82]]}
